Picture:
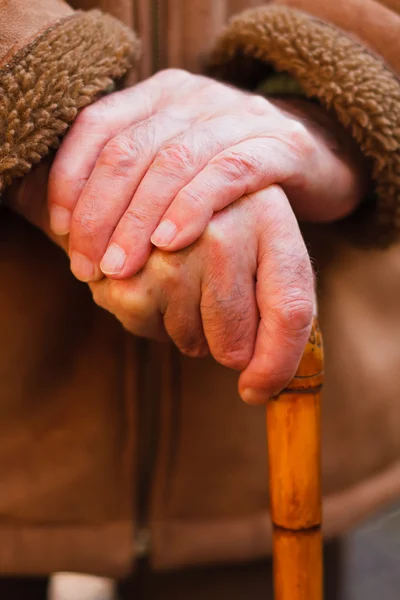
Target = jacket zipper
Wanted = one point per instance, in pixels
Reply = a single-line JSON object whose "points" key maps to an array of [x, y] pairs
{"points": [[148, 399], [149, 368]]}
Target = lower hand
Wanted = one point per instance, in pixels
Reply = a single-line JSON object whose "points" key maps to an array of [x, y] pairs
{"points": [[243, 292]]}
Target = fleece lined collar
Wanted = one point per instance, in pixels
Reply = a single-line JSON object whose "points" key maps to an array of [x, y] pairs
{"points": [[47, 82], [343, 75]]}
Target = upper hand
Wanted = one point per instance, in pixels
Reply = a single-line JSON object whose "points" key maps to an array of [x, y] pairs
{"points": [[175, 149], [243, 292]]}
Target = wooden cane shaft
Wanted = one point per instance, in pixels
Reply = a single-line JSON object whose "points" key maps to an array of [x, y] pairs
{"points": [[294, 445], [293, 424], [297, 565]]}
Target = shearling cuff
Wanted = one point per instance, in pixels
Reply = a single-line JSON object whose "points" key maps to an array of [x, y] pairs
{"points": [[46, 82], [338, 71]]}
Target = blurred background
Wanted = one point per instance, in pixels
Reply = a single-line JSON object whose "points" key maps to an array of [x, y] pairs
{"points": [[371, 566]]}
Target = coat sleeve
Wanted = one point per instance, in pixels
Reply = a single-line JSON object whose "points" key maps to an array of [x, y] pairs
{"points": [[336, 52], [53, 62]]}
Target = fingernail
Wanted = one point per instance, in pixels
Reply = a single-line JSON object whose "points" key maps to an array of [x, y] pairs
{"points": [[113, 260], [164, 234], [82, 267], [60, 220], [252, 396]]}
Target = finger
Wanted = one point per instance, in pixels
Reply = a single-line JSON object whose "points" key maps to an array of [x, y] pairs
{"points": [[249, 166], [228, 304], [285, 299], [179, 285], [101, 121], [81, 147], [182, 322], [160, 302], [177, 162], [134, 305], [303, 164], [109, 190]]}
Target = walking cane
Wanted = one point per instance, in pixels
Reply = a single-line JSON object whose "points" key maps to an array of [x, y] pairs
{"points": [[293, 431]]}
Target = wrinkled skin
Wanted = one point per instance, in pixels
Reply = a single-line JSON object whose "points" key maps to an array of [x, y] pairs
{"points": [[175, 149], [240, 292], [232, 172]]}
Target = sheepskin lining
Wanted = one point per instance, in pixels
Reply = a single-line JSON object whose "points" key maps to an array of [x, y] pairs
{"points": [[343, 75], [48, 81]]}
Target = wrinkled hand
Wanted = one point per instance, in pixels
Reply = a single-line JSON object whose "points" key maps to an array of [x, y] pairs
{"points": [[154, 162], [243, 291]]}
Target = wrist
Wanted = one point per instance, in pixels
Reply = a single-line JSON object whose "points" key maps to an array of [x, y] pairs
{"points": [[331, 136]]}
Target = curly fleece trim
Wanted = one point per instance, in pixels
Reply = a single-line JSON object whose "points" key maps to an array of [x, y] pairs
{"points": [[48, 81], [338, 71]]}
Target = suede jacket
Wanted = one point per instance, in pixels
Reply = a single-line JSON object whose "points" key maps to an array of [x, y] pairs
{"points": [[112, 447]]}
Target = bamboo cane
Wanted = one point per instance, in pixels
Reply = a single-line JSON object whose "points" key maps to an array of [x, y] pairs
{"points": [[293, 431]]}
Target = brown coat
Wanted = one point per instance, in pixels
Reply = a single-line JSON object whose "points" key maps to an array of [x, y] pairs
{"points": [[111, 446]]}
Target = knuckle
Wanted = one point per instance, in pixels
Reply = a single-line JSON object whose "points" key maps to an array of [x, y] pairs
{"points": [[228, 323], [195, 351], [119, 156], [172, 75], [97, 115], [85, 223], [90, 116], [118, 296], [192, 198], [167, 269], [300, 139], [234, 359], [98, 297], [61, 173], [67, 182], [190, 343], [175, 158], [217, 240], [235, 340], [129, 301], [67, 178], [234, 165], [137, 219], [295, 313], [257, 105]]}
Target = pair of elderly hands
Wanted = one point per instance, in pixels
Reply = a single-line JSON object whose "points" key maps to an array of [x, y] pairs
{"points": [[181, 197]]}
